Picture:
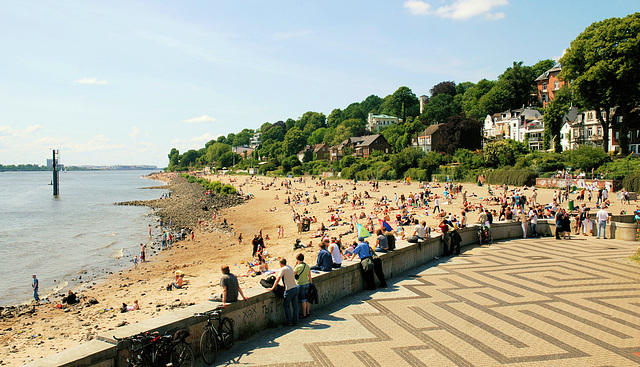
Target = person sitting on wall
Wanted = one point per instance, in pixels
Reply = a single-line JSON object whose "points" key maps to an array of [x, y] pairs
{"points": [[324, 261]]}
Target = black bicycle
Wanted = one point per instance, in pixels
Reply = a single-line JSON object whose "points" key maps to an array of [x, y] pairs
{"points": [[158, 350], [212, 336]]}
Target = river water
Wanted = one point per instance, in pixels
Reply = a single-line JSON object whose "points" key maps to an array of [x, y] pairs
{"points": [[73, 238]]}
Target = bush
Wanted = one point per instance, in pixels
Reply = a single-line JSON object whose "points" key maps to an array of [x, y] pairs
{"points": [[632, 182], [297, 170], [512, 177]]}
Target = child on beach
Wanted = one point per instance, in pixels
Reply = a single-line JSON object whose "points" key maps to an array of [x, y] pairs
{"points": [[135, 262], [133, 307]]}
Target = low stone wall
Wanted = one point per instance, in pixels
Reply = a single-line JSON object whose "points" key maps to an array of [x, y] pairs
{"points": [[264, 310]]}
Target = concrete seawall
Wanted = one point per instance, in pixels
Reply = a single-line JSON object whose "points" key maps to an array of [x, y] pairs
{"points": [[264, 310]]}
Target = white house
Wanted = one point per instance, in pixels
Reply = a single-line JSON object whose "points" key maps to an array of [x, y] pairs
{"points": [[375, 122]]}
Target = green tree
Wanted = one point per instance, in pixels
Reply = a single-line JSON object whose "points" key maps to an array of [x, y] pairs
{"points": [[603, 66], [520, 78], [502, 153], [498, 99], [290, 162], [275, 132], [400, 102], [294, 141], [174, 158], [189, 158], [335, 118], [354, 111], [585, 158], [215, 151], [541, 66], [471, 99], [554, 117], [440, 108], [371, 104], [317, 136]]}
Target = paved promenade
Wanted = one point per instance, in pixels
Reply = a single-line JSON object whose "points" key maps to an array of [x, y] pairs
{"points": [[514, 303]]}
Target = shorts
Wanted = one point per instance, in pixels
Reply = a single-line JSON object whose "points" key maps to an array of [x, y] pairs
{"points": [[303, 290]]}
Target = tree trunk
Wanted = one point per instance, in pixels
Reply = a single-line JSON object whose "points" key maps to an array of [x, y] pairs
{"points": [[605, 123]]}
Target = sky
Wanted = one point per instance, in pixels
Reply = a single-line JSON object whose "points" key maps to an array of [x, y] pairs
{"points": [[124, 82]]}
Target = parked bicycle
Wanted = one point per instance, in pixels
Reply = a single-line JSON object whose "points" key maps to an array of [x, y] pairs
{"points": [[158, 350], [484, 234], [212, 337]]}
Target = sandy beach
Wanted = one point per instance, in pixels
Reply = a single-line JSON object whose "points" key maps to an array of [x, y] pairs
{"points": [[44, 329]]}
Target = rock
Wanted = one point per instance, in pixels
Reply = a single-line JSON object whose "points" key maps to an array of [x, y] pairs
{"points": [[123, 323]]}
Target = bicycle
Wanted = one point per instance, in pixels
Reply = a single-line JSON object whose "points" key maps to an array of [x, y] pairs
{"points": [[156, 350], [484, 234], [212, 337]]}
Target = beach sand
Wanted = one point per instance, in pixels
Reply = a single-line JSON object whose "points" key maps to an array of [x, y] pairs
{"points": [[49, 329]]}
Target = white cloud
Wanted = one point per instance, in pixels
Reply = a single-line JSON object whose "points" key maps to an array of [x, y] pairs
{"points": [[199, 120], [418, 7], [7, 132], [198, 141], [135, 132], [97, 143], [459, 9], [91, 81]]}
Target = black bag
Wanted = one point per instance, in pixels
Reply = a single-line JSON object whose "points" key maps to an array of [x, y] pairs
{"points": [[413, 239], [268, 283], [391, 241]]}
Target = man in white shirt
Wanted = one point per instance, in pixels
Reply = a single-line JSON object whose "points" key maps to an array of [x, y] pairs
{"points": [[290, 292], [419, 230], [533, 219], [602, 217]]}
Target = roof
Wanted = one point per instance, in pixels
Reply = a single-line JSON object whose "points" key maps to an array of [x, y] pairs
{"points": [[545, 75], [383, 117], [430, 130]]}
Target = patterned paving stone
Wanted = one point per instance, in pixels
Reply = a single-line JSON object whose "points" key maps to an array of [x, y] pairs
{"points": [[534, 302]]}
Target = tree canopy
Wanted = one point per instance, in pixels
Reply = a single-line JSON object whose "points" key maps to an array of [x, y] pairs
{"points": [[603, 65]]}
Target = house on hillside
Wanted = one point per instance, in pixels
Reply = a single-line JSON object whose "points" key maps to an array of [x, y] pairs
{"points": [[520, 125], [375, 122], [427, 139], [254, 142], [361, 146], [315, 152], [548, 84]]}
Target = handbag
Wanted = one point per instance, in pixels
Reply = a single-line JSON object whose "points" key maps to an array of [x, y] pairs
{"points": [[367, 264], [303, 269]]}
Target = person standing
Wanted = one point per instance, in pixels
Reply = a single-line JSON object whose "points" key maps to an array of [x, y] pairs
{"points": [[533, 219], [303, 279], [230, 288], [559, 216], [365, 253], [291, 292], [149, 230], [602, 217], [524, 222], [34, 285]]}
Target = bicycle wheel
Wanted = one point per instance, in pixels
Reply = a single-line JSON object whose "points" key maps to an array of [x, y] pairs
{"points": [[182, 355], [209, 346], [226, 332], [134, 355]]}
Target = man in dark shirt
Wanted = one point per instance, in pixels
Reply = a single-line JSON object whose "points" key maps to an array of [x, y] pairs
{"points": [[489, 216], [325, 261], [230, 288]]}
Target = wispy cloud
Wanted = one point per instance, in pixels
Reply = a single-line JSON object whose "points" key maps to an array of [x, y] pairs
{"points": [[10, 132], [283, 36], [95, 81], [135, 132], [458, 9], [199, 120], [195, 140]]}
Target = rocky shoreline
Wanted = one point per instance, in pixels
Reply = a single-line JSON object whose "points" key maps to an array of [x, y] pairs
{"points": [[187, 204]]}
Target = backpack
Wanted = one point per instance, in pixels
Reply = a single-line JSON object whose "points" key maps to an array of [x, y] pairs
{"points": [[391, 241]]}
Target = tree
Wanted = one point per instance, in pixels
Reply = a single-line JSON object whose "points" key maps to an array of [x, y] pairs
{"points": [[603, 66], [554, 117], [471, 99], [294, 141], [496, 100], [401, 101], [439, 109], [521, 79], [504, 152], [174, 158], [354, 111], [335, 118], [310, 121], [443, 88], [371, 104], [541, 66], [459, 133], [317, 136], [189, 158], [290, 162]]}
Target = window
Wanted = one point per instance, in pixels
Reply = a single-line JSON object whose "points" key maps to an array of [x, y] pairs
{"points": [[544, 87], [556, 85], [617, 135], [599, 131], [589, 132]]}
